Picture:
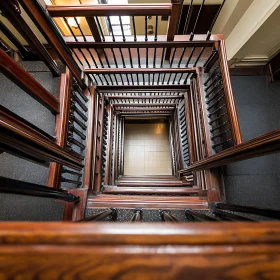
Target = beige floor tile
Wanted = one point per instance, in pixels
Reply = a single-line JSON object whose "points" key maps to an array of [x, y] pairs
{"points": [[147, 150]]}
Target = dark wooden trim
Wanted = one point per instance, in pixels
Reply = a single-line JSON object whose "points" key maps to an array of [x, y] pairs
{"points": [[90, 140], [144, 87], [14, 17], [145, 97], [99, 145], [190, 127], [248, 71], [109, 145], [262, 145], [173, 23], [24, 188], [150, 190], [25, 81], [133, 105], [143, 109], [93, 28], [205, 129], [138, 70], [110, 10], [61, 127], [139, 44], [18, 137], [231, 108], [34, 11], [76, 212]]}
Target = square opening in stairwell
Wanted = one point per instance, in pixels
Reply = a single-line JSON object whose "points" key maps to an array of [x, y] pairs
{"points": [[147, 149]]}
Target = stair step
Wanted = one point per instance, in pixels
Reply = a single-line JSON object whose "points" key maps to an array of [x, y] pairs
{"points": [[141, 201], [150, 191]]}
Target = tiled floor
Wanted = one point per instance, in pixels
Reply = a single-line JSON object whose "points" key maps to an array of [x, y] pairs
{"points": [[147, 149]]}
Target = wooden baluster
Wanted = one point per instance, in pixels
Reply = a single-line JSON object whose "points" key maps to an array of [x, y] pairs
{"points": [[199, 216], [101, 216], [229, 216], [137, 216], [167, 217]]}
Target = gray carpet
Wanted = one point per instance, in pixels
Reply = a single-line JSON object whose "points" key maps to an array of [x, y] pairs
{"points": [[255, 182], [21, 207]]}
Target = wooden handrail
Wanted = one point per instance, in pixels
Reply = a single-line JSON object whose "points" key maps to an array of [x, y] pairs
{"points": [[110, 10], [18, 137], [24, 188], [12, 13], [25, 81], [35, 11], [231, 108], [138, 70], [259, 146]]}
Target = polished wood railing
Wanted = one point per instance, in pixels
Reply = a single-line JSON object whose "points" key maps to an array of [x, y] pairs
{"points": [[193, 250], [259, 146], [25, 81], [25, 188]]}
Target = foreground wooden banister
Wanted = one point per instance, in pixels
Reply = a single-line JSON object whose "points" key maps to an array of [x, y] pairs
{"points": [[19, 138], [110, 10], [221, 250], [259, 146], [36, 12], [25, 81]]}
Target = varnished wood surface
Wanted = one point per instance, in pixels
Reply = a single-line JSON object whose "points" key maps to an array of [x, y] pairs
{"points": [[110, 10], [149, 190], [142, 201], [25, 81], [261, 145], [229, 97], [138, 70], [17, 136], [140, 251]]}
